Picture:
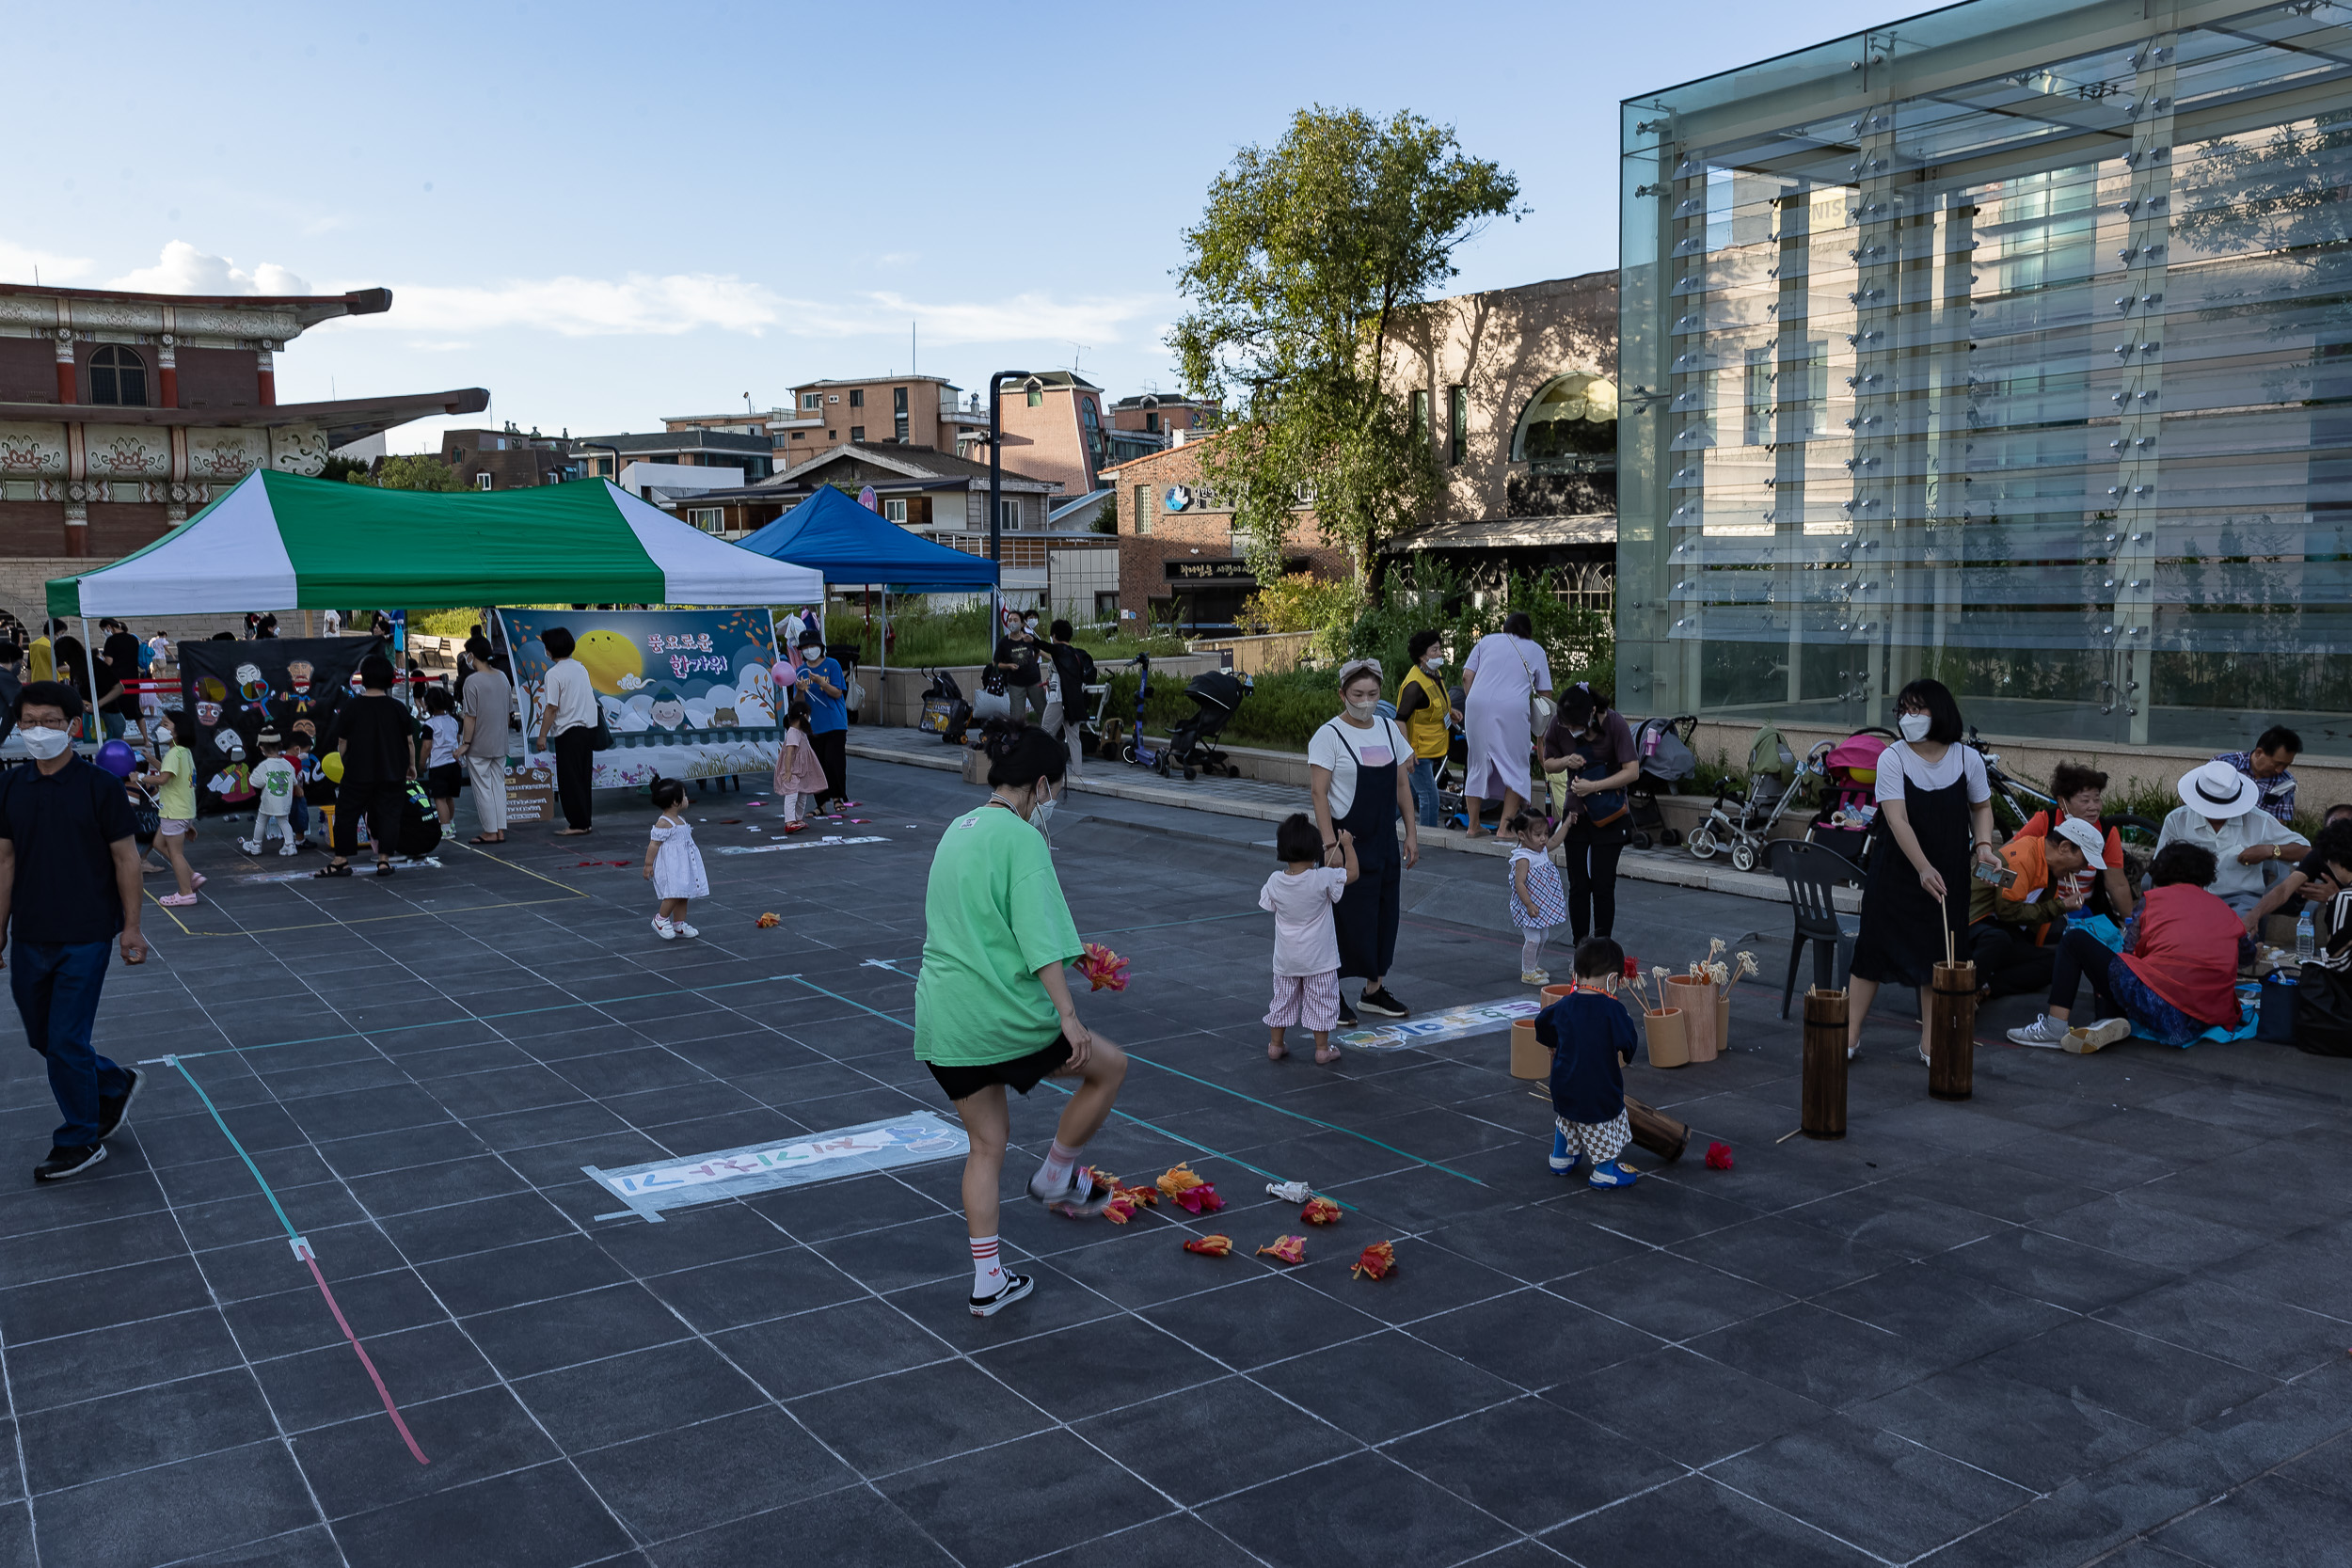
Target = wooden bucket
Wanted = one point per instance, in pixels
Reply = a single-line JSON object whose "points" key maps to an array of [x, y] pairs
{"points": [[1696, 998], [1529, 1059], [1668, 1045], [1953, 1031], [1657, 1131], [1822, 1113]]}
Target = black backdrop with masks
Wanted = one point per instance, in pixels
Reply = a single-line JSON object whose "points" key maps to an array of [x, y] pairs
{"points": [[286, 686]]}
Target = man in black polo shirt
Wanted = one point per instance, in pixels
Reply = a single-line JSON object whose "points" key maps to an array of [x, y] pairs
{"points": [[69, 883]]}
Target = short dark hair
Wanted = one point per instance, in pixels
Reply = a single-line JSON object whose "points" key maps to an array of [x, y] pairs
{"points": [[2192, 864], [1298, 838], [2334, 846], [2072, 777], [668, 792], [435, 700], [558, 642], [2280, 739], [478, 645], [1598, 956], [1518, 623], [1524, 821], [376, 672], [2341, 808], [1033, 755], [1421, 642], [1936, 698], [1058, 631], [56, 694]]}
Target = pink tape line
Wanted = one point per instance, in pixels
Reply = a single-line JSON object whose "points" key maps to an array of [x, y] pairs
{"points": [[384, 1394]]}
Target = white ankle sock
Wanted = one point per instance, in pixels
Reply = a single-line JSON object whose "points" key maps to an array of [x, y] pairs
{"points": [[988, 1274], [1059, 1163]]}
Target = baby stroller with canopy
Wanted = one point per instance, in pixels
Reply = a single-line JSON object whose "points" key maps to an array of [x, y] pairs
{"points": [[1664, 746], [1215, 696], [1850, 801]]}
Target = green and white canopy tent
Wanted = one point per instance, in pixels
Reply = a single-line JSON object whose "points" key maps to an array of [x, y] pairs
{"points": [[278, 541]]}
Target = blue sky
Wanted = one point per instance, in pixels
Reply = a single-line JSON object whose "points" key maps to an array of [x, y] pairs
{"points": [[608, 213]]}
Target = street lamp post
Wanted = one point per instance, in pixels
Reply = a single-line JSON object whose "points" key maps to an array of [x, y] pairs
{"points": [[996, 494]]}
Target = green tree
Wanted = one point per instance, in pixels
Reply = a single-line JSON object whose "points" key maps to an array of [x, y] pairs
{"points": [[1308, 255], [412, 471], [337, 469]]}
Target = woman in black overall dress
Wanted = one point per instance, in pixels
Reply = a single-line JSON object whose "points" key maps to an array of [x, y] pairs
{"points": [[1369, 747], [1934, 801]]}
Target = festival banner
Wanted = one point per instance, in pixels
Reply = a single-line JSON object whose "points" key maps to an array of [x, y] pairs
{"points": [[229, 692], [686, 693]]}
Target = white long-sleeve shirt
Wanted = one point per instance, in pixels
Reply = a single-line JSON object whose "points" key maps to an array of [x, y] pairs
{"points": [[2238, 834]]}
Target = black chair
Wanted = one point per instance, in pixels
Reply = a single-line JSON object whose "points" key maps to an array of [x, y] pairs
{"points": [[1813, 873]]}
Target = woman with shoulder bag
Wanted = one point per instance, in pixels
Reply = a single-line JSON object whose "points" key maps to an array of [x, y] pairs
{"points": [[1506, 703], [1358, 776], [1589, 758]]}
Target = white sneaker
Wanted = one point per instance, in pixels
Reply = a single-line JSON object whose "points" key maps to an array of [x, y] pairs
{"points": [[663, 929], [684, 929], [288, 849], [251, 846], [2107, 1032], [1535, 977], [2045, 1032]]}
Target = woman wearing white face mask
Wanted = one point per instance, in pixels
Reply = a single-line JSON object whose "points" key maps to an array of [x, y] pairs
{"points": [[1359, 773], [1933, 801], [992, 1009], [1422, 708]]}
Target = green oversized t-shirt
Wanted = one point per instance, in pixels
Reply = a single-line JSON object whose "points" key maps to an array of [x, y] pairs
{"points": [[994, 916]]}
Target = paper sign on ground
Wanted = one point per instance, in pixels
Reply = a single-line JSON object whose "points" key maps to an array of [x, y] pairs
{"points": [[913, 1139], [830, 841], [1460, 1022]]}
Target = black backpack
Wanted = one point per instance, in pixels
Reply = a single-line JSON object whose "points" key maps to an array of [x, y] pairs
{"points": [[419, 824]]}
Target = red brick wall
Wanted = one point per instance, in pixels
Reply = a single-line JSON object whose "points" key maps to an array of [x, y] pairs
{"points": [[27, 371], [1143, 556], [216, 378]]}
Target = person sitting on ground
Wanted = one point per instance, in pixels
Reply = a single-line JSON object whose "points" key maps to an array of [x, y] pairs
{"points": [[1591, 1041], [2176, 979], [2323, 997], [2310, 883], [2218, 811], [2270, 765], [2081, 791], [2014, 922]]}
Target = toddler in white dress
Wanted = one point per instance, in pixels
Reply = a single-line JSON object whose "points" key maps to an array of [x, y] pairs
{"points": [[673, 864]]}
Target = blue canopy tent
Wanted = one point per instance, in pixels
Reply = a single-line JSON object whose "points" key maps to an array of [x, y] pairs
{"points": [[834, 535]]}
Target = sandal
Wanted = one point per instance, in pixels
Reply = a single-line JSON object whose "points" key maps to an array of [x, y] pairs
{"points": [[485, 838], [385, 868], [1277, 1053], [341, 869], [1326, 1058]]}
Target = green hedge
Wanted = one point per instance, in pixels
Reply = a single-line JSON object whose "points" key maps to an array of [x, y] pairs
{"points": [[1282, 714]]}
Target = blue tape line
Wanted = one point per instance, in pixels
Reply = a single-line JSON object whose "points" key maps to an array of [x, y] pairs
{"points": [[291, 1235]]}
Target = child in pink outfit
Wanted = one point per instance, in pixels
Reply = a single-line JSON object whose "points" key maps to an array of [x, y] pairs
{"points": [[1306, 941], [800, 776]]}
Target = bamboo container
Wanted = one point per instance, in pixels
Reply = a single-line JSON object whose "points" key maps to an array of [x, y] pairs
{"points": [[1953, 1031], [1822, 1113]]}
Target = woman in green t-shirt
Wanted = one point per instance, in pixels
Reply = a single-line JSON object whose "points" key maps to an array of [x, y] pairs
{"points": [[992, 1009]]}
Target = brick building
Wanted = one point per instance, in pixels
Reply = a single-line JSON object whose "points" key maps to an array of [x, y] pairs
{"points": [[901, 410], [509, 459], [1178, 549], [1160, 413]]}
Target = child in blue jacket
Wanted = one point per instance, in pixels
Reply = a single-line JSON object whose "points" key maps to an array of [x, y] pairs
{"points": [[1592, 1039]]}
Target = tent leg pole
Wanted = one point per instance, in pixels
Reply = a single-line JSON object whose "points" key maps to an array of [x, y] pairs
{"points": [[883, 713], [95, 729]]}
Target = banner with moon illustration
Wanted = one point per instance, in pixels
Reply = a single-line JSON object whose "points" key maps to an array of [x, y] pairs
{"points": [[686, 693]]}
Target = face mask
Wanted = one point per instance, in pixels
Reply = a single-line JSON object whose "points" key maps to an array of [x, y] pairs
{"points": [[1029, 627], [1915, 725], [1363, 710], [1433, 665], [164, 737], [1041, 815], [45, 744]]}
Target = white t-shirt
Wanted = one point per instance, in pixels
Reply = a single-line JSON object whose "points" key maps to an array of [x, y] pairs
{"points": [[1898, 762], [566, 692], [274, 782], [444, 728], [1305, 940], [1340, 747]]}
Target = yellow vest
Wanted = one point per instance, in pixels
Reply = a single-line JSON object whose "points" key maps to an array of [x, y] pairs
{"points": [[1425, 729]]}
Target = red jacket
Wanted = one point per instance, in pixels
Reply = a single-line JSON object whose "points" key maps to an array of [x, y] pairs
{"points": [[2188, 952]]}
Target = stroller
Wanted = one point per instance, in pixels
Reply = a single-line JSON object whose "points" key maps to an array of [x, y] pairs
{"points": [[946, 714], [1849, 804], [1744, 824], [1665, 746], [1215, 696]]}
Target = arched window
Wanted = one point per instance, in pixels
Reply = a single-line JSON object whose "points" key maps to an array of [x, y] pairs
{"points": [[118, 377], [1573, 417]]}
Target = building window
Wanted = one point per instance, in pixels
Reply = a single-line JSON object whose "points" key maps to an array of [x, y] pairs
{"points": [[482, 481], [1107, 604], [1037, 396], [895, 511], [1009, 511], [857, 432], [118, 377], [1151, 424], [1575, 417], [1421, 416], [711, 520], [831, 434], [1457, 421], [899, 407], [812, 401], [1143, 509], [857, 397], [797, 434]]}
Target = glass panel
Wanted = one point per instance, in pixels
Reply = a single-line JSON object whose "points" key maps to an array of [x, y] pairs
{"points": [[2011, 345]]}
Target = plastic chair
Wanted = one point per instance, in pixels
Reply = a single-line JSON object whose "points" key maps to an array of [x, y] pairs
{"points": [[1813, 873]]}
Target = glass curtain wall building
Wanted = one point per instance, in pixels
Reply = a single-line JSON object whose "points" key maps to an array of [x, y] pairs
{"points": [[2011, 346]]}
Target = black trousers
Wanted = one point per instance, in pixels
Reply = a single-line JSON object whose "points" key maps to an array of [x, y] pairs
{"points": [[1592, 866], [380, 804], [832, 749], [2083, 957], [575, 765], [2007, 960]]}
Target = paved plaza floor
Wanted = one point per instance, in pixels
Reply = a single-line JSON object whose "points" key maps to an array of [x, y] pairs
{"points": [[2098, 1312]]}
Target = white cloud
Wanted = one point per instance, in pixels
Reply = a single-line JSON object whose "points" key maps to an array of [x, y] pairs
{"points": [[1024, 317], [183, 269], [18, 263], [635, 306]]}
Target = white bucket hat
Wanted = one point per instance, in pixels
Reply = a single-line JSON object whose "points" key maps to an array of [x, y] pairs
{"points": [[2218, 790], [2087, 838]]}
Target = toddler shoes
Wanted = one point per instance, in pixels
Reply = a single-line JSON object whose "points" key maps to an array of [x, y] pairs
{"points": [[663, 929]]}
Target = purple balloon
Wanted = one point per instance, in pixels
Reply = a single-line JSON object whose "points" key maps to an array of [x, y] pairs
{"points": [[116, 757]]}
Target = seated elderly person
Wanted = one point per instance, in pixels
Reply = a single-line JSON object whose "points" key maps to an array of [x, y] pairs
{"points": [[2269, 765], [2014, 924], [2081, 791], [2175, 978], [2218, 811]]}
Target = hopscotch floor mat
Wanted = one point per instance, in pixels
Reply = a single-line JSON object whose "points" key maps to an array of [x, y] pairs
{"points": [[1406, 1034], [913, 1139], [830, 841]]}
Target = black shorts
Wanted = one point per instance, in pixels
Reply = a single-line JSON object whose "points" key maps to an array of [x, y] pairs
{"points": [[442, 783], [1021, 1074]]}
